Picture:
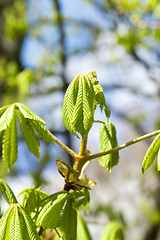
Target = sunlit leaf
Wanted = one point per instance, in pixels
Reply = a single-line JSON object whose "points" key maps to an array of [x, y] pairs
{"points": [[151, 153], [7, 192], [9, 146], [100, 100], [108, 140], [51, 217], [68, 221], [78, 106], [16, 224], [7, 117], [27, 113], [29, 135]]}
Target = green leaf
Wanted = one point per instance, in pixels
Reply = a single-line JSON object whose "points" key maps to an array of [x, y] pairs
{"points": [[3, 109], [51, 217], [9, 146], [151, 153], [83, 115], [81, 197], [82, 230], [3, 223], [112, 232], [27, 113], [68, 105], [30, 227], [108, 140], [158, 161], [42, 131], [15, 230], [100, 100], [7, 192], [32, 201], [68, 221], [79, 105], [7, 117], [29, 135], [16, 224], [45, 205]]}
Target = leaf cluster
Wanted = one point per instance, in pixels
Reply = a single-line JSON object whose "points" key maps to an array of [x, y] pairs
{"points": [[29, 122]]}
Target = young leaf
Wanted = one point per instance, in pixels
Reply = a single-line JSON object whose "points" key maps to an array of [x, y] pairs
{"points": [[32, 201], [68, 221], [158, 161], [112, 232], [15, 229], [29, 226], [42, 131], [3, 109], [7, 192], [108, 140], [78, 106], [68, 105], [83, 115], [151, 153], [51, 217], [100, 100], [27, 113], [7, 117], [81, 198], [16, 224], [82, 230], [3, 223], [29, 135], [9, 146], [45, 205], [93, 77]]}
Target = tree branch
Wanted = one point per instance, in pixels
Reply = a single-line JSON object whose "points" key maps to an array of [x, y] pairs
{"points": [[67, 149], [136, 140]]}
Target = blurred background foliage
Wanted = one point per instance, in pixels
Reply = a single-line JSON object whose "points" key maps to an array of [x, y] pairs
{"points": [[44, 44]]}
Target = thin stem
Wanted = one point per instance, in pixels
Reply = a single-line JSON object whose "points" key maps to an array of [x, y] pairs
{"points": [[67, 149], [99, 121], [136, 140]]}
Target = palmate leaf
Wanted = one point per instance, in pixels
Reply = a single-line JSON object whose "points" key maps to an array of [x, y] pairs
{"points": [[16, 224], [108, 140], [68, 221], [29, 135], [151, 153], [29, 122], [112, 232], [79, 105], [7, 192], [7, 117], [51, 217], [9, 146]]}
